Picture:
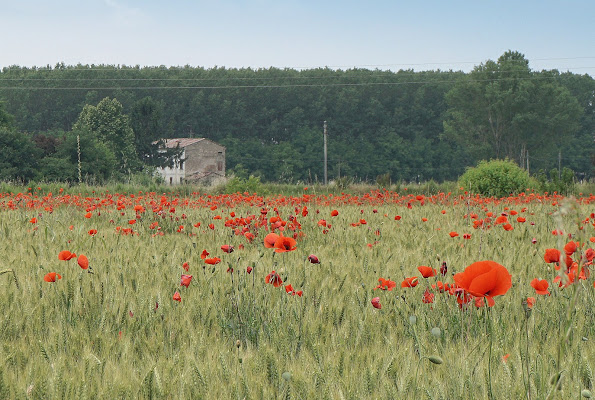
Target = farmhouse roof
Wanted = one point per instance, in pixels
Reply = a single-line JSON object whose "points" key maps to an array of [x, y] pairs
{"points": [[182, 142]]}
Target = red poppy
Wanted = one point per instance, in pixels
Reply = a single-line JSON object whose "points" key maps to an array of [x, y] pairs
{"points": [[397, 217], [52, 277], [467, 236], [65, 255], [453, 234], [249, 269], [204, 254], [270, 239], [484, 279], [501, 220], [505, 358], [88, 215], [424, 219], [540, 286], [289, 289], [386, 284], [33, 220], [530, 302], [185, 280], [570, 248], [507, 227], [313, 259], [227, 248], [521, 219], [213, 261], [211, 226], [132, 222], [186, 266], [83, 261], [552, 256], [334, 213], [177, 296], [564, 281], [274, 279], [426, 272], [428, 297], [410, 282], [376, 303], [284, 244], [92, 232], [443, 268]]}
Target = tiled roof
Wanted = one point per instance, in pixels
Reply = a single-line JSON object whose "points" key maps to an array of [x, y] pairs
{"points": [[183, 142]]}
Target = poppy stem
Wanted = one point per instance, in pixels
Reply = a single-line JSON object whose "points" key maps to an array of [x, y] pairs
{"points": [[528, 383], [491, 333]]}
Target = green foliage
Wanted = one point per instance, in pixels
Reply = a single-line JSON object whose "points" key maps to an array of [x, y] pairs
{"points": [[240, 185], [19, 156], [6, 120], [413, 131], [343, 182], [98, 162], [112, 127], [497, 178], [383, 180], [562, 182]]}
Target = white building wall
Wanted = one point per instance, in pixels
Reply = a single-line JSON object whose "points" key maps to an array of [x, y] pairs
{"points": [[175, 175]]}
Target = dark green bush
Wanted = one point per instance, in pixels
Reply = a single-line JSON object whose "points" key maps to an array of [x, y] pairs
{"points": [[250, 185], [497, 178], [561, 182]]}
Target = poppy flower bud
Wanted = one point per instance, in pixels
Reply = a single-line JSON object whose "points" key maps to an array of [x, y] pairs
{"points": [[238, 343], [436, 359], [376, 303], [313, 259], [555, 378], [586, 393]]}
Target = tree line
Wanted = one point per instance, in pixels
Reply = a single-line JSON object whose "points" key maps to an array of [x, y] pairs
{"points": [[404, 125]]}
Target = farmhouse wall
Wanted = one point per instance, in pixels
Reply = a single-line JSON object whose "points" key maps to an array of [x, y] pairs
{"points": [[205, 157]]}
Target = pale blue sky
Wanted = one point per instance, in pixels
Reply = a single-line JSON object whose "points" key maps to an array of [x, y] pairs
{"points": [[383, 34]]}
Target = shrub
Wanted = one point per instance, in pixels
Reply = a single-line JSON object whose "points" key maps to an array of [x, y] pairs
{"points": [[250, 185], [495, 178], [560, 182]]}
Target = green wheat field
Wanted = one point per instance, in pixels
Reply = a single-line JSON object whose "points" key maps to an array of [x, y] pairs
{"points": [[114, 330]]}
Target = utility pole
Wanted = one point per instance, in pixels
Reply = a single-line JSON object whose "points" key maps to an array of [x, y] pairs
{"points": [[325, 159]]}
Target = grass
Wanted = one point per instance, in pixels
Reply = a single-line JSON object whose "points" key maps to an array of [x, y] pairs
{"points": [[117, 332]]}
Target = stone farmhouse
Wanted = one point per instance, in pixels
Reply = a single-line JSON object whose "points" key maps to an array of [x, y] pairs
{"points": [[202, 161]]}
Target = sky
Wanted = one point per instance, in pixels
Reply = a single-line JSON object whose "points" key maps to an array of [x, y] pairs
{"points": [[339, 34]]}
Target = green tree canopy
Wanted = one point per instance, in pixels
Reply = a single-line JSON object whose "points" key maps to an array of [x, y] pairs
{"points": [[502, 109], [111, 126], [18, 156], [5, 118], [98, 162]]}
